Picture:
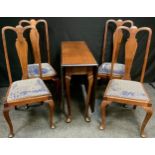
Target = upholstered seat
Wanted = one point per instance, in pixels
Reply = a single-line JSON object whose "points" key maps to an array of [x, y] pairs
{"points": [[126, 89], [105, 68], [27, 88], [47, 70]]}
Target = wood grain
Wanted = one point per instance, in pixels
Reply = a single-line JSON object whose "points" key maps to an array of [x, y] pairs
{"points": [[76, 54]]}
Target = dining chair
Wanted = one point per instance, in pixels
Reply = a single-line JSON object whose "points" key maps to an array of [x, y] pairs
{"points": [[124, 90], [104, 70], [24, 91], [44, 70]]}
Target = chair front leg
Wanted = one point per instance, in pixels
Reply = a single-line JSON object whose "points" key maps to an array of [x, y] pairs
{"points": [[149, 112], [103, 113], [8, 120], [51, 106]]}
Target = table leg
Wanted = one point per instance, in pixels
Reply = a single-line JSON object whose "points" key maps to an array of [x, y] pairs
{"points": [[67, 82], [92, 96], [90, 84], [62, 89]]}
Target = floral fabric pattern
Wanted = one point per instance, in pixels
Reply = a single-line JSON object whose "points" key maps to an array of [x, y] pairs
{"points": [[27, 88], [105, 68], [126, 89], [47, 70]]}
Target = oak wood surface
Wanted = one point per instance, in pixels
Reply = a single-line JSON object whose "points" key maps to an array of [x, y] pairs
{"points": [[34, 36], [76, 53], [117, 23]]}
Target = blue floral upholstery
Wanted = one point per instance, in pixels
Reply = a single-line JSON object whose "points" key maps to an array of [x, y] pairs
{"points": [[47, 70], [126, 89], [27, 88], [105, 68]]}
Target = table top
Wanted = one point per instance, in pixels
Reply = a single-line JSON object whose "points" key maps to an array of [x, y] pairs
{"points": [[76, 53]]}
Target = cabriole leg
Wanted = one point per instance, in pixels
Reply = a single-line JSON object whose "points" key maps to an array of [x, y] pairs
{"points": [[103, 113], [149, 112], [8, 120], [51, 106], [67, 81], [90, 84]]}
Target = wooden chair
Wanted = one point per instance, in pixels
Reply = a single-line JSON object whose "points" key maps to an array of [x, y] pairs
{"points": [[43, 70], [104, 70], [25, 91], [127, 91]]}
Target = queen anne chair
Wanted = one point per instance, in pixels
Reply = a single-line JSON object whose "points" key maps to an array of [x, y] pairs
{"points": [[25, 91], [127, 91], [104, 70], [43, 70]]}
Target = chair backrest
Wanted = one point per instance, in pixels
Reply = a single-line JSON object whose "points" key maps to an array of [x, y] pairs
{"points": [[34, 37], [131, 48], [119, 39], [21, 48]]}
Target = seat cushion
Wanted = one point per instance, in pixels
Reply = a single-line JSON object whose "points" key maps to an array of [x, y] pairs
{"points": [[126, 89], [105, 68], [47, 70], [27, 88]]}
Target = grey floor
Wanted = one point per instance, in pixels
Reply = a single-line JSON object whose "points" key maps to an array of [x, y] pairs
{"points": [[121, 122]]}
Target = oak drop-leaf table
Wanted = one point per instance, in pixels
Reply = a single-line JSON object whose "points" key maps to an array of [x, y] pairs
{"points": [[77, 59]]}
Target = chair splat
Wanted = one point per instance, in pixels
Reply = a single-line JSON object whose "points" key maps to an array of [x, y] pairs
{"points": [[21, 47], [22, 50], [118, 23], [131, 48]]}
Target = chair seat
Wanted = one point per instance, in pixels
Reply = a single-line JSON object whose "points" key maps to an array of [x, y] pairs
{"points": [[105, 68], [27, 88], [126, 89], [47, 70]]}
